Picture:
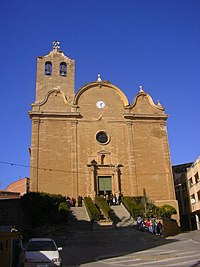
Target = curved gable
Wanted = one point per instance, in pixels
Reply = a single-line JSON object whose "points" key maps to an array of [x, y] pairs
{"points": [[54, 100], [144, 104], [100, 85], [100, 101]]}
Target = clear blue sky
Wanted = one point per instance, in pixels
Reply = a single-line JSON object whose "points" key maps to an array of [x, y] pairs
{"points": [[152, 43]]}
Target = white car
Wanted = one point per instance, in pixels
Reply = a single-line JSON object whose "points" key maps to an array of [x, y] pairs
{"points": [[42, 252]]}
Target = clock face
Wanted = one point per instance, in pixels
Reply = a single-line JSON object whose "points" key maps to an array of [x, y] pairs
{"points": [[100, 104]]}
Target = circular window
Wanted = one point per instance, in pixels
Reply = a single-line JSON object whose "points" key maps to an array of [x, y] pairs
{"points": [[102, 137]]}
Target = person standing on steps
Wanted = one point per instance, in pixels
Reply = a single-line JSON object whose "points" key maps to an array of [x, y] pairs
{"points": [[120, 198], [80, 200], [114, 199]]}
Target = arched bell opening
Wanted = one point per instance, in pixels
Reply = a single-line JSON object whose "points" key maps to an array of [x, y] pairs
{"points": [[63, 69], [48, 68]]}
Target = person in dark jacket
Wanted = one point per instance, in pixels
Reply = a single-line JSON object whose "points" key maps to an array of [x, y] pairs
{"points": [[80, 200], [159, 228]]}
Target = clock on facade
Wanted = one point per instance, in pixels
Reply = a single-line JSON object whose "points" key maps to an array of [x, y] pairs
{"points": [[100, 104]]}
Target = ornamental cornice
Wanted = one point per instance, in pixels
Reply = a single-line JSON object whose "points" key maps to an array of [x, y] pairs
{"points": [[54, 114], [133, 116]]}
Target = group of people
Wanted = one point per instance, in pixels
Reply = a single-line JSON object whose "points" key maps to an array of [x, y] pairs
{"points": [[113, 199], [71, 202], [150, 225]]}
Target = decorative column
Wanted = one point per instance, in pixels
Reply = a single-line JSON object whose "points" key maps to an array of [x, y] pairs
{"points": [[74, 160], [35, 142], [131, 156], [93, 188], [117, 179]]}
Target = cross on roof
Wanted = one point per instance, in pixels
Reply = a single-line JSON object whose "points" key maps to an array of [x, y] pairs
{"points": [[56, 45]]}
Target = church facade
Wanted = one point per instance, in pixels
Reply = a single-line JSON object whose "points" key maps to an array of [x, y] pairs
{"points": [[94, 141]]}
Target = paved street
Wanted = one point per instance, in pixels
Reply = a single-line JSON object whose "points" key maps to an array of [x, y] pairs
{"points": [[129, 247]]}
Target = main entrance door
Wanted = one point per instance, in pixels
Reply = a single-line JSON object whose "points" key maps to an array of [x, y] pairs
{"points": [[104, 185]]}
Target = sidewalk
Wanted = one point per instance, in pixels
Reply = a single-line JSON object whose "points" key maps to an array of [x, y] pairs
{"points": [[194, 235]]}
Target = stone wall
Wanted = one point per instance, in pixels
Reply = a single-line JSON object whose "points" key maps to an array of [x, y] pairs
{"points": [[170, 227]]}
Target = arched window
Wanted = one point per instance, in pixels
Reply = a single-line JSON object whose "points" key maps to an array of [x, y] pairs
{"points": [[63, 69], [48, 68]]}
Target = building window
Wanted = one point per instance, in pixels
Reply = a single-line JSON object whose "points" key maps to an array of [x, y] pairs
{"points": [[198, 195], [102, 137], [196, 178], [63, 69], [48, 68], [102, 159], [190, 182]]}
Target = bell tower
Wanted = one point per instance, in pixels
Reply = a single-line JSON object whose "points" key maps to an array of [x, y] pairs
{"points": [[55, 71], [51, 127]]}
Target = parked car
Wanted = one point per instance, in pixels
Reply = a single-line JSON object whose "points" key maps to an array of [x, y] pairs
{"points": [[42, 252]]}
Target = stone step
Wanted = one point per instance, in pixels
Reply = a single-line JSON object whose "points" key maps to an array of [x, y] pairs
{"points": [[123, 218], [80, 213], [79, 220]]}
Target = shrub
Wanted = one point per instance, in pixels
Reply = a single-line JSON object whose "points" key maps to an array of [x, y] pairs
{"points": [[166, 211], [63, 209], [93, 211], [140, 205], [41, 208], [106, 210], [144, 207], [133, 208]]}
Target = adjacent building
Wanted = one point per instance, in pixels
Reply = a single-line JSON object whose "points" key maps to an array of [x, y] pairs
{"points": [[187, 189], [16, 189], [193, 180], [182, 196], [8, 195], [93, 141]]}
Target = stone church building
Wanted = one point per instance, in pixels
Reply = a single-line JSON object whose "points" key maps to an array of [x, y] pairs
{"points": [[94, 141]]}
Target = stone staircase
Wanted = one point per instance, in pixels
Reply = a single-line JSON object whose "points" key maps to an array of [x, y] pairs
{"points": [[123, 218], [79, 220]]}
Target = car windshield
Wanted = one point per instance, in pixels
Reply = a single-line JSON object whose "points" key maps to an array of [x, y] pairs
{"points": [[41, 246]]}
